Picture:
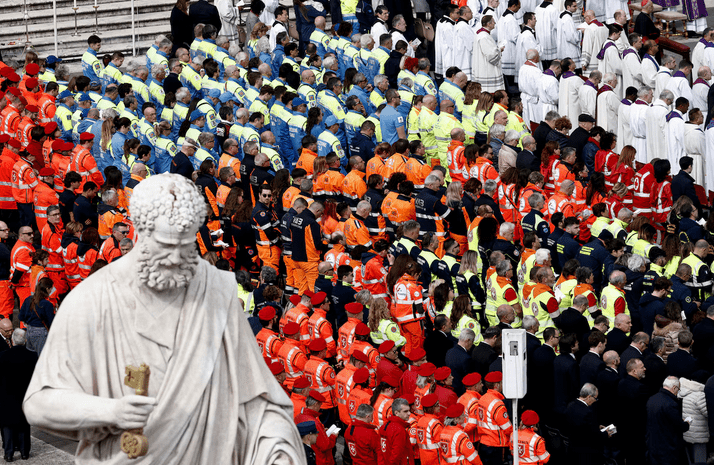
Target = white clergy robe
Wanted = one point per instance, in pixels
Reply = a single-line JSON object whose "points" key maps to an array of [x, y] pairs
{"points": [[679, 85], [379, 28], [608, 105], [611, 62], [663, 76], [695, 145], [638, 126], [700, 92], [631, 69], [397, 36], [546, 30], [675, 137], [486, 62], [526, 41], [650, 67], [529, 77], [709, 152], [477, 7], [548, 92], [594, 36], [587, 96], [496, 17], [656, 128], [509, 29], [568, 38], [569, 101], [698, 54], [622, 43], [463, 46], [599, 8], [624, 133], [443, 44], [708, 57]]}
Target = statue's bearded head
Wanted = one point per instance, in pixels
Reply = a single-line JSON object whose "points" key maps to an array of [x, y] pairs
{"points": [[167, 210]]}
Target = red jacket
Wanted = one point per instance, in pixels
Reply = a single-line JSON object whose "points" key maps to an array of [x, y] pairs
{"points": [[325, 445], [387, 368], [362, 442], [395, 447], [447, 398], [407, 384]]}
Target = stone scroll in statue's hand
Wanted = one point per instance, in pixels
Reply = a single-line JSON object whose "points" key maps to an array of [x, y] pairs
{"points": [[133, 442]]}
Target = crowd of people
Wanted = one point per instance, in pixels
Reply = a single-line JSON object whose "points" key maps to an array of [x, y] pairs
{"points": [[391, 199]]}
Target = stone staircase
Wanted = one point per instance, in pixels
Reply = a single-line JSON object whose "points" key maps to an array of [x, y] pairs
{"points": [[114, 22]]}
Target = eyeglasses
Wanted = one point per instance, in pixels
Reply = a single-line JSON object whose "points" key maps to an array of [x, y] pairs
{"points": [[3, 230], [123, 233]]}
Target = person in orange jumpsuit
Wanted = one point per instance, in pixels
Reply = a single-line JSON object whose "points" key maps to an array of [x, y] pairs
{"points": [[299, 315], [469, 399], [307, 246], [361, 344], [346, 333], [424, 385], [382, 398], [456, 447], [21, 262], [52, 242], [360, 392], [408, 307], [301, 387], [428, 431], [494, 426], [322, 375], [531, 447], [344, 381], [317, 325], [444, 390], [83, 162], [268, 339], [291, 355]]}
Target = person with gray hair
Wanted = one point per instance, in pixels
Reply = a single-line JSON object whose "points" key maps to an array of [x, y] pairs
{"points": [[458, 358], [587, 441], [665, 425], [508, 153], [608, 103]]}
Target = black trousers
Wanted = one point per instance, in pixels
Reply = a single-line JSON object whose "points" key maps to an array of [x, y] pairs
{"points": [[16, 436]]}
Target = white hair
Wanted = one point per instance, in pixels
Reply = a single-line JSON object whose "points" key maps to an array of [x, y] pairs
{"points": [[506, 228], [541, 256], [669, 382], [19, 337], [365, 40], [512, 135]]}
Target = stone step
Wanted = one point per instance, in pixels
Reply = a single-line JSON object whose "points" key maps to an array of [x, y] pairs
{"points": [[106, 10], [36, 5]]}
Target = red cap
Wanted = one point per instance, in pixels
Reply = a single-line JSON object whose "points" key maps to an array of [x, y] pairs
{"points": [[318, 298], [276, 368], [442, 373], [50, 127], [32, 68], [14, 143], [455, 411], [266, 313], [317, 396], [295, 299], [471, 379], [68, 147], [359, 355], [291, 328], [47, 172], [31, 83], [362, 330], [429, 400], [6, 71], [14, 91], [361, 376], [417, 354], [301, 383], [494, 377], [427, 369], [409, 398], [530, 418], [354, 308], [23, 100], [4, 138], [86, 136], [316, 345], [32, 108], [386, 346], [308, 293], [14, 77], [57, 145], [391, 380]]}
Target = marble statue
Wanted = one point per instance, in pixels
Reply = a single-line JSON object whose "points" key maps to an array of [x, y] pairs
{"points": [[211, 399]]}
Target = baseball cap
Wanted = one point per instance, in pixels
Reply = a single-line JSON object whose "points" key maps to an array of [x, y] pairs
{"points": [[330, 121]]}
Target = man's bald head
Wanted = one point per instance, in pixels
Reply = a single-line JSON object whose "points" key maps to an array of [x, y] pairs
{"points": [[320, 22], [701, 244], [610, 357], [447, 106], [6, 325], [429, 101], [458, 134], [324, 267]]}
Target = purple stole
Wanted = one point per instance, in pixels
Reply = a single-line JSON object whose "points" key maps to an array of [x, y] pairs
{"points": [[609, 43], [650, 57], [640, 102], [626, 102], [629, 51], [589, 83], [549, 72], [604, 88], [673, 114], [567, 74], [482, 30], [701, 81], [678, 73]]}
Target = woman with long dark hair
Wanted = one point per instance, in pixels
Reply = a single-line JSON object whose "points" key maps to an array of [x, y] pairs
{"points": [[37, 313]]}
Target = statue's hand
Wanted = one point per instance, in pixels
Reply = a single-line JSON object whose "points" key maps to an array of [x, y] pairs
{"points": [[131, 412]]}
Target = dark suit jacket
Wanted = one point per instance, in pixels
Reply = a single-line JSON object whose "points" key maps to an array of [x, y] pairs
{"points": [[572, 321], [503, 325], [656, 372], [632, 395], [203, 12], [483, 356], [590, 367], [627, 355], [586, 440], [527, 160], [617, 340], [607, 404], [461, 365], [541, 137], [566, 382], [578, 139], [703, 338], [172, 82], [680, 363], [436, 345], [532, 343], [16, 367], [683, 184]]}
